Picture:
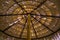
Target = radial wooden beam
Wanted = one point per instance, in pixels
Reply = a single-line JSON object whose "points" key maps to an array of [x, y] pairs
{"points": [[41, 3], [11, 14], [53, 16], [23, 28], [10, 25], [19, 5], [43, 24], [34, 29]]}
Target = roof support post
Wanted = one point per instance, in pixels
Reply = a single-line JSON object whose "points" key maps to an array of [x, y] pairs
{"points": [[28, 27]]}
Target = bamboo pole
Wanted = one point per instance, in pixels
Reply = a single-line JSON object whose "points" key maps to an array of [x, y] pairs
{"points": [[28, 28]]}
